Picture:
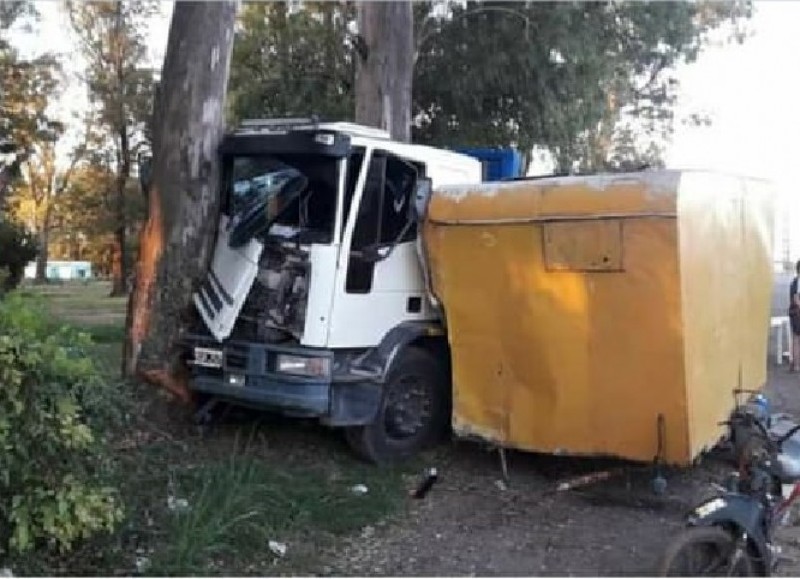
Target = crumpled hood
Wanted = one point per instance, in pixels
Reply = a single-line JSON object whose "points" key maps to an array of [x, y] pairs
{"points": [[232, 273]]}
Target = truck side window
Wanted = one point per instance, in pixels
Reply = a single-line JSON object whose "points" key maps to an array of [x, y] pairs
{"points": [[366, 232], [398, 195], [368, 221], [382, 215]]}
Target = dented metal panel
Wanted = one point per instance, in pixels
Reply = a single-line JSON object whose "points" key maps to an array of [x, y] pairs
{"points": [[565, 307]]}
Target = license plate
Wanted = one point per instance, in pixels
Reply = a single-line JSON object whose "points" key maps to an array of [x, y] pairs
{"points": [[208, 357]]}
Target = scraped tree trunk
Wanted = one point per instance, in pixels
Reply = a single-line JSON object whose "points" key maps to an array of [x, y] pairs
{"points": [[183, 202], [385, 67]]}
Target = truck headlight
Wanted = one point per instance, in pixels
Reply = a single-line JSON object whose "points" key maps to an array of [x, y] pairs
{"points": [[304, 366], [238, 380]]}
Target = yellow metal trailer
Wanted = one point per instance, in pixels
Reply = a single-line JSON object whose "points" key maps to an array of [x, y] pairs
{"points": [[583, 311]]}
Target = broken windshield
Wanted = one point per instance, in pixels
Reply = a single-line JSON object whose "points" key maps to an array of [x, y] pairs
{"points": [[309, 217]]}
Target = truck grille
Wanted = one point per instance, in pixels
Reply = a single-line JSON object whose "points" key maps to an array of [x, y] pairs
{"points": [[236, 358]]}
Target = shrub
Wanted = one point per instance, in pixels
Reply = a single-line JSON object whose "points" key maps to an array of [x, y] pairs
{"points": [[17, 249], [53, 413]]}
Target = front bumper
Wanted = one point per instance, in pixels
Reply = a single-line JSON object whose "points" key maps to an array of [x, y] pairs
{"points": [[344, 399]]}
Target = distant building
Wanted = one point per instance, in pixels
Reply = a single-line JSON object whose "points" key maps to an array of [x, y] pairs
{"points": [[62, 270]]}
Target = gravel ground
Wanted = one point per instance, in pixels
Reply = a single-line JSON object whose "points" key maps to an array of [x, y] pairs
{"points": [[472, 524]]}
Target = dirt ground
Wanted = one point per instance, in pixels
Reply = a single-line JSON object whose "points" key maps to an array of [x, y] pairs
{"points": [[471, 524]]}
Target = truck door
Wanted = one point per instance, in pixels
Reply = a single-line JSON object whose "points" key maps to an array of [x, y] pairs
{"points": [[373, 295]]}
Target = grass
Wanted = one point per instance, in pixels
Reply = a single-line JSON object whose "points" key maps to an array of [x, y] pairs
{"points": [[237, 506], [253, 480]]}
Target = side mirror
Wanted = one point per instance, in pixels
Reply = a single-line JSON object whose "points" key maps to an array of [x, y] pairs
{"points": [[422, 195], [145, 172]]}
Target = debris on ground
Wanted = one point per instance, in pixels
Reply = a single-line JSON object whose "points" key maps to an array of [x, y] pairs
{"points": [[359, 489], [588, 479], [501, 485], [6, 572], [277, 548], [367, 532], [431, 476], [142, 563], [176, 504]]}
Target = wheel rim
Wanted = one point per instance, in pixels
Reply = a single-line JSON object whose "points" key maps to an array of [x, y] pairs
{"points": [[408, 408], [710, 559]]}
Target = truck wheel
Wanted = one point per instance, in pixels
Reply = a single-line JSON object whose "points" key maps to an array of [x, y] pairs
{"points": [[414, 413]]}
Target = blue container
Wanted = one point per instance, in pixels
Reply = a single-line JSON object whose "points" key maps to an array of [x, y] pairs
{"points": [[498, 164]]}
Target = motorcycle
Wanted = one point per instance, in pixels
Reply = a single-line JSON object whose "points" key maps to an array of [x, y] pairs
{"points": [[732, 533]]}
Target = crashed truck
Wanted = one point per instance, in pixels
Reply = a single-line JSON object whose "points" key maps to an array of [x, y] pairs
{"points": [[384, 288]]}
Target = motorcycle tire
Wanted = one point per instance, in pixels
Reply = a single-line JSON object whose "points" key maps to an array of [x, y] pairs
{"points": [[694, 552]]}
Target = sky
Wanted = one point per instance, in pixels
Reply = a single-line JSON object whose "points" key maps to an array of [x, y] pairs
{"points": [[751, 92]]}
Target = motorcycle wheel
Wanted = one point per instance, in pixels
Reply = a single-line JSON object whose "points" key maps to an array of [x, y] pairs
{"points": [[706, 552]]}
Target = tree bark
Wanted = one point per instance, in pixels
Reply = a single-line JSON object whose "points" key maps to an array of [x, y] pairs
{"points": [[117, 276], [44, 244], [385, 67], [183, 201], [121, 260], [43, 256]]}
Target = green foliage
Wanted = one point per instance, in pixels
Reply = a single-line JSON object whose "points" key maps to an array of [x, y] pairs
{"points": [[559, 75], [25, 85], [112, 39], [17, 249], [292, 62], [54, 409], [556, 74], [120, 83]]}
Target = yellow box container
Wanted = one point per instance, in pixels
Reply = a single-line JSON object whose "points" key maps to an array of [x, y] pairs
{"points": [[580, 310]]}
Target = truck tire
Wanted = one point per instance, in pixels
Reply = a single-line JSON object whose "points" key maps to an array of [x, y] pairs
{"points": [[414, 412]]}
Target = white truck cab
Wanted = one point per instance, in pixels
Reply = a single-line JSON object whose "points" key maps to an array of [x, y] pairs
{"points": [[315, 303]]}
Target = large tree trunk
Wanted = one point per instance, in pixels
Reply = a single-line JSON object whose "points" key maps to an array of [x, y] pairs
{"points": [[385, 68], [183, 201], [118, 278], [44, 247], [42, 257], [122, 265]]}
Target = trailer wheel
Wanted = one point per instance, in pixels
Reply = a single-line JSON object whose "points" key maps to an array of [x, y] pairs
{"points": [[414, 412]]}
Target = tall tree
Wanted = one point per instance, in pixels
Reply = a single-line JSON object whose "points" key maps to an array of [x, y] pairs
{"points": [[112, 39], [183, 201], [556, 74], [36, 197], [26, 90], [385, 66]]}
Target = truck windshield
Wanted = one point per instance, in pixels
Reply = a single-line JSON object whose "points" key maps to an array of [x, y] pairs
{"points": [[310, 217]]}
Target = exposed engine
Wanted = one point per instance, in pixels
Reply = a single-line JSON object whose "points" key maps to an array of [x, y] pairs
{"points": [[275, 309]]}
